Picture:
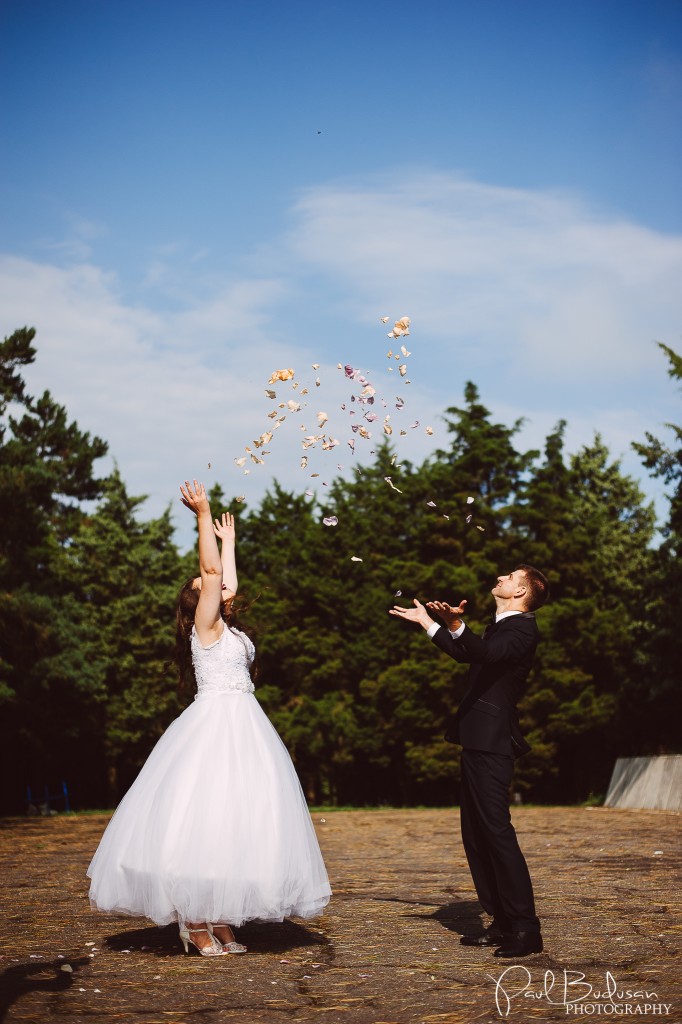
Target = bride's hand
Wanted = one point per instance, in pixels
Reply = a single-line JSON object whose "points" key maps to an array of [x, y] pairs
{"points": [[194, 498], [225, 528]]}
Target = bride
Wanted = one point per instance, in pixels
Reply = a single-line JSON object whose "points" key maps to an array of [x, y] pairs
{"points": [[215, 830]]}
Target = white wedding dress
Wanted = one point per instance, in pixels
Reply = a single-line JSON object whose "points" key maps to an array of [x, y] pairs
{"points": [[215, 827]]}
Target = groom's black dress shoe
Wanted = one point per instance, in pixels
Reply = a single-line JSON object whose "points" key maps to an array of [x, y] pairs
{"points": [[490, 937], [520, 944]]}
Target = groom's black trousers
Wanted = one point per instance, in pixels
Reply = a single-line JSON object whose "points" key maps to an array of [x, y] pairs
{"points": [[498, 867]]}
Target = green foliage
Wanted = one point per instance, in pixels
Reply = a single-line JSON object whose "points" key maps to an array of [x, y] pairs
{"points": [[88, 585]]}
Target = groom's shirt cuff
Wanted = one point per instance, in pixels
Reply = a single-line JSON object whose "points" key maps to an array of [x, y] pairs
{"points": [[436, 626]]}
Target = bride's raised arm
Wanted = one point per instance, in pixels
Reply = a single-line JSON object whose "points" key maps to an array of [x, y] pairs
{"points": [[225, 529], [207, 620]]}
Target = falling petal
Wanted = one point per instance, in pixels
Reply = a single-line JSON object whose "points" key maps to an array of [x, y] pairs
{"points": [[389, 354], [330, 521], [370, 417], [398, 593], [295, 384], [304, 461], [339, 465], [271, 394], [281, 375], [402, 369], [399, 402], [281, 405], [414, 425], [470, 500], [388, 429], [317, 382], [293, 406], [446, 517], [349, 371], [392, 485], [322, 418], [468, 519], [316, 366], [431, 504], [240, 498], [402, 433], [405, 352], [384, 319], [429, 431], [240, 462], [259, 462], [339, 366], [351, 445], [481, 528], [364, 433], [314, 474], [304, 391], [310, 494], [354, 558], [271, 415]]}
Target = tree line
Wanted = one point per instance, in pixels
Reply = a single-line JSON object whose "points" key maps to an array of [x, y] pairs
{"points": [[88, 588]]}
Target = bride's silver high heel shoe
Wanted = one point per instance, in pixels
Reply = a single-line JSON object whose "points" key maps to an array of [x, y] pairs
{"points": [[213, 949], [227, 947]]}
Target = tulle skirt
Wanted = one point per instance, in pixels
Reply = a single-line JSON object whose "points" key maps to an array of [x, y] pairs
{"points": [[215, 827]]}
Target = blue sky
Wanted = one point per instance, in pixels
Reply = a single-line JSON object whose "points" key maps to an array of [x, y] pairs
{"points": [[196, 194]]}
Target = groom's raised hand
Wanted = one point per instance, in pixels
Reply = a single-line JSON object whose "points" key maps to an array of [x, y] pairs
{"points": [[417, 614], [450, 614]]}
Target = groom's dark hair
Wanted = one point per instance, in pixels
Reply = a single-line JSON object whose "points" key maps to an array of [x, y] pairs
{"points": [[538, 586]]}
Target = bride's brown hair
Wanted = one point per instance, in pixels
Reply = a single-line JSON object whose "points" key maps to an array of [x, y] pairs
{"points": [[185, 610]]}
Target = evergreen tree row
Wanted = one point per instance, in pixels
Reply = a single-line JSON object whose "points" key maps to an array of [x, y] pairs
{"points": [[88, 587]]}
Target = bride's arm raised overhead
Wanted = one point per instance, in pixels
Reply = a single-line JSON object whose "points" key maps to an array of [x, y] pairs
{"points": [[207, 620], [225, 529]]}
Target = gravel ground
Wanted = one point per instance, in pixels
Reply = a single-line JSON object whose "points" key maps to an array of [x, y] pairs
{"points": [[387, 949]]}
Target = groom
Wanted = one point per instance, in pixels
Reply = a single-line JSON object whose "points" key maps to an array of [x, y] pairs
{"points": [[487, 726]]}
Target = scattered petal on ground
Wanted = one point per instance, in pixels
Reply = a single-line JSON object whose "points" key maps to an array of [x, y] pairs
{"points": [[67, 968]]}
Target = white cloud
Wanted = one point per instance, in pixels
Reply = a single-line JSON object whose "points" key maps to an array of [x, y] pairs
{"points": [[549, 307]]}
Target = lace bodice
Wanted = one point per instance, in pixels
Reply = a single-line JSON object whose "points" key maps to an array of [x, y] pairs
{"points": [[223, 666]]}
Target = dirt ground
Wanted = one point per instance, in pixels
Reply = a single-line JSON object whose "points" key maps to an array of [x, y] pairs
{"points": [[387, 949]]}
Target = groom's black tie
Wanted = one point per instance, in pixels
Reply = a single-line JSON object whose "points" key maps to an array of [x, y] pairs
{"points": [[491, 625]]}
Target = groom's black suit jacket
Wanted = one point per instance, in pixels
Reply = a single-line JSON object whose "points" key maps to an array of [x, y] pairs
{"points": [[500, 661]]}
